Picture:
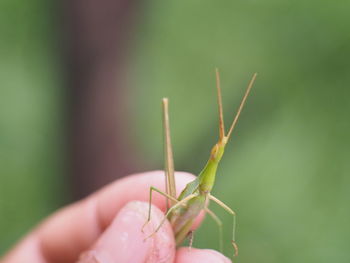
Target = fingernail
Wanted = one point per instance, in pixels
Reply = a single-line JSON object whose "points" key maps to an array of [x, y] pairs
{"points": [[93, 256], [220, 257], [184, 255]]}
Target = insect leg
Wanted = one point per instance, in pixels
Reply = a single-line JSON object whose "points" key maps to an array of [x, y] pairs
{"points": [[190, 237], [229, 210], [151, 189], [219, 223], [171, 209]]}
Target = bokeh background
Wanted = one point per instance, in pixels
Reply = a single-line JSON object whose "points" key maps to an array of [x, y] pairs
{"points": [[286, 170]]}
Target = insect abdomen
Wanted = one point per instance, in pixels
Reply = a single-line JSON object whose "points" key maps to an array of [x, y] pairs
{"points": [[183, 217]]}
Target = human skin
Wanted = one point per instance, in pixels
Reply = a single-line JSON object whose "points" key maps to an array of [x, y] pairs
{"points": [[106, 228]]}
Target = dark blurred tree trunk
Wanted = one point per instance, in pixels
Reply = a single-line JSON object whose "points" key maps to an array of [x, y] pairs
{"points": [[97, 40]]}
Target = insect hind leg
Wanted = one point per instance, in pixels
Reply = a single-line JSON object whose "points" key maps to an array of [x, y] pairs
{"points": [[220, 225], [230, 211]]}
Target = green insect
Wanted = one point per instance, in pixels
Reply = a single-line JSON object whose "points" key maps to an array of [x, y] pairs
{"points": [[182, 210]]}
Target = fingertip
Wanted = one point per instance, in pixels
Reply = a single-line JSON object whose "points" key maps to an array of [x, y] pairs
{"points": [[194, 255], [124, 240], [182, 178], [186, 176]]}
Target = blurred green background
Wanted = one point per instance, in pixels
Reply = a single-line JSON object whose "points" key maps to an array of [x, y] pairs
{"points": [[286, 170]]}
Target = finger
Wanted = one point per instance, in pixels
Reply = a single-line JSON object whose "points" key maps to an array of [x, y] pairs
{"points": [[28, 250], [194, 255], [63, 236], [124, 242]]}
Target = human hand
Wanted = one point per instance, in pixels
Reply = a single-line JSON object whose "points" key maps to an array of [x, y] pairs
{"points": [[106, 227]]}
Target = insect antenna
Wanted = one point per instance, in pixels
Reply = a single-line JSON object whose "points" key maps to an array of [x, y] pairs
{"points": [[221, 114], [250, 85]]}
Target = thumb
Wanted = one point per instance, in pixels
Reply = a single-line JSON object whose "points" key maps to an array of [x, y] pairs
{"points": [[124, 240]]}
